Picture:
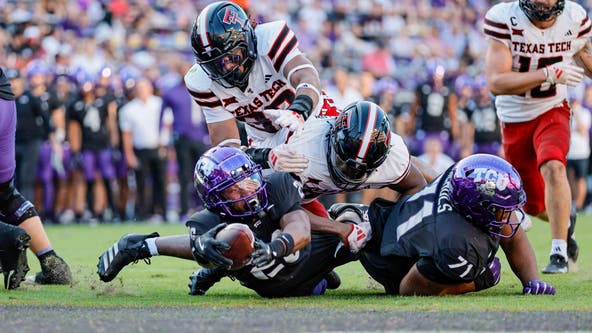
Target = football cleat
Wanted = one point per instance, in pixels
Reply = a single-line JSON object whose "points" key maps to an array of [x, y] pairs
{"points": [[572, 246], [54, 270], [344, 210], [129, 249], [557, 265], [203, 279], [333, 280], [14, 242]]}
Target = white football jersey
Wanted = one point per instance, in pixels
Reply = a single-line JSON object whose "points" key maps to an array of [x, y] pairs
{"points": [[533, 48], [316, 179], [267, 88]]}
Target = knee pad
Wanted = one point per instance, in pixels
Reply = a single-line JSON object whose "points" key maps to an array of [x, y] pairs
{"points": [[13, 206]]}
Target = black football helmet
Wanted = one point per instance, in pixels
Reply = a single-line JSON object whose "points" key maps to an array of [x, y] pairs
{"points": [[359, 142], [222, 34], [540, 12]]}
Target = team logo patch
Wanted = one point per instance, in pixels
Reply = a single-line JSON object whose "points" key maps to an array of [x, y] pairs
{"points": [[231, 17]]}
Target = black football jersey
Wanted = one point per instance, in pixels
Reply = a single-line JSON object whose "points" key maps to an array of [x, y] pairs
{"points": [[32, 120], [484, 118], [426, 230], [92, 118], [433, 108]]}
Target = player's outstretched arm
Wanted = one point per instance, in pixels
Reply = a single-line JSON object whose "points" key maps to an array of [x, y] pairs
{"points": [[295, 235], [522, 260], [413, 182]]}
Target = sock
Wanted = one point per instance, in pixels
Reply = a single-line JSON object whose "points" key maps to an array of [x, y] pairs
{"points": [[151, 244], [559, 246]]}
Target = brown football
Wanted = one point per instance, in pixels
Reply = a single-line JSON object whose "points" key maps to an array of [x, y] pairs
{"points": [[241, 240]]}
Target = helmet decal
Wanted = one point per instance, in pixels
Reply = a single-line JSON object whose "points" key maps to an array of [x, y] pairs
{"points": [[486, 190], [369, 133]]}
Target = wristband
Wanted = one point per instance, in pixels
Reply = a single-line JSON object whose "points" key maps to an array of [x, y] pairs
{"points": [[283, 245], [259, 156], [302, 104]]}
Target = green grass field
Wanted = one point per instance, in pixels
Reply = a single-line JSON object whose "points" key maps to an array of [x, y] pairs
{"points": [[164, 282]]}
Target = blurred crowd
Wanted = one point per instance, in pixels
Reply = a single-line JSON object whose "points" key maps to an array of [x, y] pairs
{"points": [[422, 61]]}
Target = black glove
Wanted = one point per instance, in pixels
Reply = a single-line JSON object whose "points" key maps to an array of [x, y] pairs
{"points": [[266, 252], [207, 249], [203, 279]]}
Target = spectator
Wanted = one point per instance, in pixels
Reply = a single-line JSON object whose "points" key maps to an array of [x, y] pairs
{"points": [[190, 136], [144, 150], [29, 133], [434, 155]]}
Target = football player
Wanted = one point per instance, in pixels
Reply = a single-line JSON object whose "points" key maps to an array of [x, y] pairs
{"points": [[528, 63], [16, 210], [256, 75], [443, 239], [285, 261], [351, 152], [92, 132]]}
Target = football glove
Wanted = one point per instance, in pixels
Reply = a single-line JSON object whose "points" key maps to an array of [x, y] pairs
{"points": [[564, 73], [538, 287], [207, 249], [289, 119], [359, 235], [266, 252], [283, 158]]}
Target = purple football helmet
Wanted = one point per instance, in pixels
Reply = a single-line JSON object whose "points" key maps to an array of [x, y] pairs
{"points": [[222, 167], [486, 190]]}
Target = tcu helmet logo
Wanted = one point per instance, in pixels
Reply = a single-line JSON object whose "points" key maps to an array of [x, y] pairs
{"points": [[490, 180], [231, 17]]}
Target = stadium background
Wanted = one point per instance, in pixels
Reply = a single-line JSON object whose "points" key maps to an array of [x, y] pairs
{"points": [[376, 50]]}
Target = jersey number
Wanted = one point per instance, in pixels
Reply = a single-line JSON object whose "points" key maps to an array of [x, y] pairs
{"points": [[540, 92]]}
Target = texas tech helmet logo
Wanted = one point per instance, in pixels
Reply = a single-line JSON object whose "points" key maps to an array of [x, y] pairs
{"points": [[231, 16]]}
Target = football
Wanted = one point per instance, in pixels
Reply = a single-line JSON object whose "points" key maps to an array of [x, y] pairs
{"points": [[241, 240]]}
